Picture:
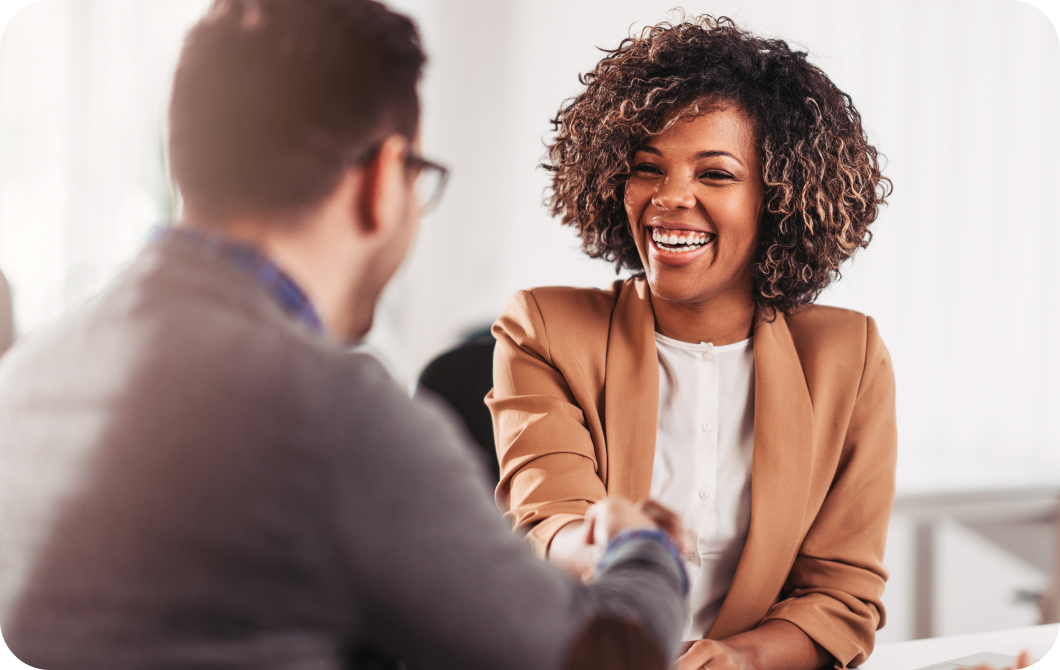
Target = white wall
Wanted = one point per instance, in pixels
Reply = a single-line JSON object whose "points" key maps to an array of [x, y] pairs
{"points": [[83, 89]]}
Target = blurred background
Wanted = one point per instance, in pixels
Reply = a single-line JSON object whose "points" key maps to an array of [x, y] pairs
{"points": [[961, 96]]}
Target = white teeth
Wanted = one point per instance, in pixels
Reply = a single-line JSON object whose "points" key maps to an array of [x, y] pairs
{"points": [[684, 242]]}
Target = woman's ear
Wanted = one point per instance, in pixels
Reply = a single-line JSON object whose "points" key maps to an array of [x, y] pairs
{"points": [[386, 190]]}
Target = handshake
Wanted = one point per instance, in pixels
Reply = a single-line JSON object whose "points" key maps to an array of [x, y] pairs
{"points": [[579, 546]]}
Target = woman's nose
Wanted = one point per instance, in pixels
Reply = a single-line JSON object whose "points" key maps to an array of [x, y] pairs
{"points": [[674, 193]]}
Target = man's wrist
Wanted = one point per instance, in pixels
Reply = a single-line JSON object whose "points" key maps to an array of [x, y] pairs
{"points": [[653, 535]]}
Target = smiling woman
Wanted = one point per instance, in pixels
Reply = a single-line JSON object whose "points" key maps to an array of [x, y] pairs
{"points": [[732, 178]]}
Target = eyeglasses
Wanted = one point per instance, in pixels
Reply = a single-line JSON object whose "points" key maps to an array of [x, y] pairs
{"points": [[430, 180], [430, 177]]}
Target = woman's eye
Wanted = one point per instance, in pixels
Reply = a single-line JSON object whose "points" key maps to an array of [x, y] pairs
{"points": [[647, 168], [716, 175]]}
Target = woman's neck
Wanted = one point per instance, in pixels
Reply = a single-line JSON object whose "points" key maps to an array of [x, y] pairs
{"points": [[720, 321]]}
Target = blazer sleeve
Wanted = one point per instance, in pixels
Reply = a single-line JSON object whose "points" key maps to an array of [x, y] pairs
{"points": [[833, 591], [549, 474]]}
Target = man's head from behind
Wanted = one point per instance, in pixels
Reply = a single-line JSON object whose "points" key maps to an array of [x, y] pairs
{"points": [[274, 99], [276, 103]]}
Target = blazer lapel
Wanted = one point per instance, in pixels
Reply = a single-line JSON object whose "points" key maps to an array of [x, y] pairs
{"points": [[631, 393], [780, 478]]}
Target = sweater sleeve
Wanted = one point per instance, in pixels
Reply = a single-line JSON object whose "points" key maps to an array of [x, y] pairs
{"points": [[833, 591], [435, 573], [549, 469]]}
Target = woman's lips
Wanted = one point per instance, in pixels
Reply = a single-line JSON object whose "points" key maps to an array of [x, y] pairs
{"points": [[677, 247]]}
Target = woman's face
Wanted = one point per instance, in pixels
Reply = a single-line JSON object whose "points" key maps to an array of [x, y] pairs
{"points": [[694, 201]]}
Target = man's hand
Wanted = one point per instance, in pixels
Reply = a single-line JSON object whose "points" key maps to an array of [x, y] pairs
{"points": [[714, 655], [668, 522]]}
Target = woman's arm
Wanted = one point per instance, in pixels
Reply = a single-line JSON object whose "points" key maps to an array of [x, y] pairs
{"points": [[833, 591], [834, 588], [774, 644], [548, 462]]}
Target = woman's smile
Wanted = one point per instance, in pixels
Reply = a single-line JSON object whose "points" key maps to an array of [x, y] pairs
{"points": [[677, 247]]}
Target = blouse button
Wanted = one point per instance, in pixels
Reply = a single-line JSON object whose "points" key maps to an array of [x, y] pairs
{"points": [[707, 427], [703, 493], [707, 356]]}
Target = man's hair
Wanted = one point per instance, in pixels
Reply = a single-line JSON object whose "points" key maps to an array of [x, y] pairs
{"points": [[274, 99]]}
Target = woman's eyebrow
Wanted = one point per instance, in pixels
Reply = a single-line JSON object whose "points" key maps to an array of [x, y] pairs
{"points": [[702, 154], [712, 154]]}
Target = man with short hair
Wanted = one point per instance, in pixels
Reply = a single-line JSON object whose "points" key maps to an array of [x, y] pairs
{"points": [[195, 472]]}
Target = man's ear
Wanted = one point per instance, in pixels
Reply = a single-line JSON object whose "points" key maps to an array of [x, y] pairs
{"points": [[384, 188]]}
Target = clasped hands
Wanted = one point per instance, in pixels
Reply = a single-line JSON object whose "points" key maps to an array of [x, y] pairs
{"points": [[604, 521], [579, 546]]}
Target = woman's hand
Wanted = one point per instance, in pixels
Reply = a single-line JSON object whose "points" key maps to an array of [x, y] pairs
{"points": [[774, 645], [714, 655], [611, 516]]}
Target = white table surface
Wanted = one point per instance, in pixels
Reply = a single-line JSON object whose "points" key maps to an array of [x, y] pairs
{"points": [[1038, 640]]}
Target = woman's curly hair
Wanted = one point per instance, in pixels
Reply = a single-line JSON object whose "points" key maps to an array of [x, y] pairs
{"points": [[823, 185]]}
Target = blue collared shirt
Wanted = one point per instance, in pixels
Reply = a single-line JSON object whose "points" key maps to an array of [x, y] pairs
{"points": [[254, 264]]}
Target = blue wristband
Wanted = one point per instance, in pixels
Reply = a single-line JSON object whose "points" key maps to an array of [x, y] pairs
{"points": [[654, 535]]}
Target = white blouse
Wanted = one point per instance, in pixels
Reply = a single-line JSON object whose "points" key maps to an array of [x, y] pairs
{"points": [[702, 466]]}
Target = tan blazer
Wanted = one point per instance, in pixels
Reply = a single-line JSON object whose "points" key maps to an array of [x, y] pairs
{"points": [[575, 405]]}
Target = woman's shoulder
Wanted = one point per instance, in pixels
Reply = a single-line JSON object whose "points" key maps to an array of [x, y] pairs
{"points": [[840, 334], [566, 317], [584, 307], [814, 317]]}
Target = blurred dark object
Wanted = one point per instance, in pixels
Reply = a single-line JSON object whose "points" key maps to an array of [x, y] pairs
{"points": [[462, 377], [364, 658], [595, 648], [7, 316]]}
